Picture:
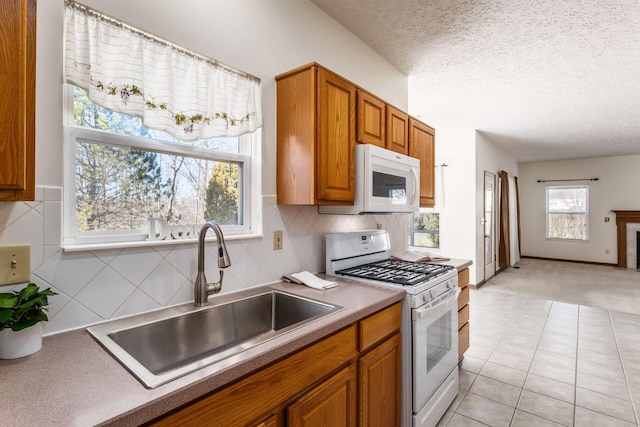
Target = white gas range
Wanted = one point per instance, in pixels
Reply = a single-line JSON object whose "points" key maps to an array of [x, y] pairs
{"points": [[429, 318]]}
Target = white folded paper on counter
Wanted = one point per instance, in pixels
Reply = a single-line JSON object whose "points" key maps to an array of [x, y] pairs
{"points": [[313, 281]]}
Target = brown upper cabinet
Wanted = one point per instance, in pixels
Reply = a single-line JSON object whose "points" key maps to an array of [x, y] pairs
{"points": [[320, 118], [381, 124], [422, 145], [370, 123], [17, 99], [316, 136], [397, 130]]}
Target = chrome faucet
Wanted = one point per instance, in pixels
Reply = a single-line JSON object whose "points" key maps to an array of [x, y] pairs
{"points": [[202, 289]]}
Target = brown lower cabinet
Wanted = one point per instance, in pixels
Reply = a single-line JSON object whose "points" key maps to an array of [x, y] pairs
{"points": [[463, 312], [336, 381]]}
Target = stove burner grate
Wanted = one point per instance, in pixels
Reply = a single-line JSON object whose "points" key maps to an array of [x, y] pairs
{"points": [[394, 271]]}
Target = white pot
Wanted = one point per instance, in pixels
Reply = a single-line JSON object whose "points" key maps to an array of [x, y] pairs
{"points": [[21, 343]]}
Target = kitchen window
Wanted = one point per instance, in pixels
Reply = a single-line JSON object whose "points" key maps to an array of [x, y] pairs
{"points": [[128, 183], [568, 212], [158, 138], [424, 230]]}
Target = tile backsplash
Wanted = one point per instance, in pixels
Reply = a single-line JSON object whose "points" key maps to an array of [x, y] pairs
{"points": [[98, 285]]}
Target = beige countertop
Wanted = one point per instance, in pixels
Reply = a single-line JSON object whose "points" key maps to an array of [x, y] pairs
{"points": [[459, 264], [72, 381]]}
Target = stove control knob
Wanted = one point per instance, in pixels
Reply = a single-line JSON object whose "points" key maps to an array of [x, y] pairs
{"points": [[426, 296]]}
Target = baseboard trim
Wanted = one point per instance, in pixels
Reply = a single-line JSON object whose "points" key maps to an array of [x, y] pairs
{"points": [[606, 264], [477, 285]]}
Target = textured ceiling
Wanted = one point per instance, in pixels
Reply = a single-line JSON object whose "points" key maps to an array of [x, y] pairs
{"points": [[543, 79]]}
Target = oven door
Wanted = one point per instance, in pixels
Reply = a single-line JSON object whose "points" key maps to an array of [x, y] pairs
{"points": [[435, 345]]}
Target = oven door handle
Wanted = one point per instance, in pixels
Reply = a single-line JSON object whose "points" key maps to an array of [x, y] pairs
{"points": [[420, 313]]}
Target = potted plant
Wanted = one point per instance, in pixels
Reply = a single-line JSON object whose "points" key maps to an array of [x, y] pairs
{"points": [[21, 315]]}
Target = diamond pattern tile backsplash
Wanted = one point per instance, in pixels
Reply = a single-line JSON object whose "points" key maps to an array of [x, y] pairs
{"points": [[94, 286]]}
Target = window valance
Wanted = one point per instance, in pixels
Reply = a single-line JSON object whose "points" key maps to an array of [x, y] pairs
{"points": [[172, 89]]}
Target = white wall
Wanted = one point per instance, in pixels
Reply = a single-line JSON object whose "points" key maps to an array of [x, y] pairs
{"points": [[492, 159], [455, 193], [263, 38], [617, 189], [460, 190]]}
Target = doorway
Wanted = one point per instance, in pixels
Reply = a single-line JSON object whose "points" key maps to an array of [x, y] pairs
{"points": [[488, 221]]}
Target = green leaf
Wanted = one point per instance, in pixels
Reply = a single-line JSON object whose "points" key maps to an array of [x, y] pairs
{"points": [[30, 303], [28, 291], [18, 326], [48, 292], [8, 300], [5, 314]]}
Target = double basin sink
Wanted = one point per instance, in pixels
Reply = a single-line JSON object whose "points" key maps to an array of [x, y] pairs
{"points": [[160, 346]]}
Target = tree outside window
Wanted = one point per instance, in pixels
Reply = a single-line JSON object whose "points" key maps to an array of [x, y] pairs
{"points": [[568, 212], [120, 185], [424, 230]]}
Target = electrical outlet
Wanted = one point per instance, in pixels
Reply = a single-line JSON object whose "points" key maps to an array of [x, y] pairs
{"points": [[15, 264], [607, 251], [277, 240], [607, 219]]}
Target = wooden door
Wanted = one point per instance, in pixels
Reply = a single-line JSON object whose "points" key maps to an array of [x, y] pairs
{"points": [[379, 382], [336, 140], [397, 130], [17, 99], [422, 146], [370, 119], [333, 403]]}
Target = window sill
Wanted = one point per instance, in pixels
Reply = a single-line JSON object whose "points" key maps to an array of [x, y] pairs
{"points": [[148, 243]]}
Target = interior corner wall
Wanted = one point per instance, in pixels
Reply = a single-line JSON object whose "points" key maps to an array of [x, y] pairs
{"points": [[455, 193], [618, 188], [489, 157]]}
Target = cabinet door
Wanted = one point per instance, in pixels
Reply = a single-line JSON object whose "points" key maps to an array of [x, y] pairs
{"points": [[17, 99], [296, 134], [380, 385], [333, 403], [336, 140], [422, 145], [370, 122], [397, 130]]}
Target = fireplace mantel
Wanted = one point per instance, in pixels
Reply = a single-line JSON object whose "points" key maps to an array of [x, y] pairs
{"points": [[622, 218]]}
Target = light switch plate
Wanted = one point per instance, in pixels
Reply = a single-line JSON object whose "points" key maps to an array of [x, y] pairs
{"points": [[15, 264], [277, 239]]}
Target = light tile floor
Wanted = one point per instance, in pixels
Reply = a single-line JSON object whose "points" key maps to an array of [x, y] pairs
{"points": [[537, 362]]}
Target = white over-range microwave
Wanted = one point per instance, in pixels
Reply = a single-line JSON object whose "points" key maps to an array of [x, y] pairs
{"points": [[385, 182]]}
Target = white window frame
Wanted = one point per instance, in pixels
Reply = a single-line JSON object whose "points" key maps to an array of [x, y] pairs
{"points": [[585, 213], [425, 248], [248, 158]]}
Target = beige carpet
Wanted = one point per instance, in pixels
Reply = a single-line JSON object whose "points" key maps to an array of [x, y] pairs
{"points": [[575, 283]]}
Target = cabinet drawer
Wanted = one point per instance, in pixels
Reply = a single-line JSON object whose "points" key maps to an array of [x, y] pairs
{"points": [[463, 298], [463, 316], [378, 326], [463, 340], [463, 278]]}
